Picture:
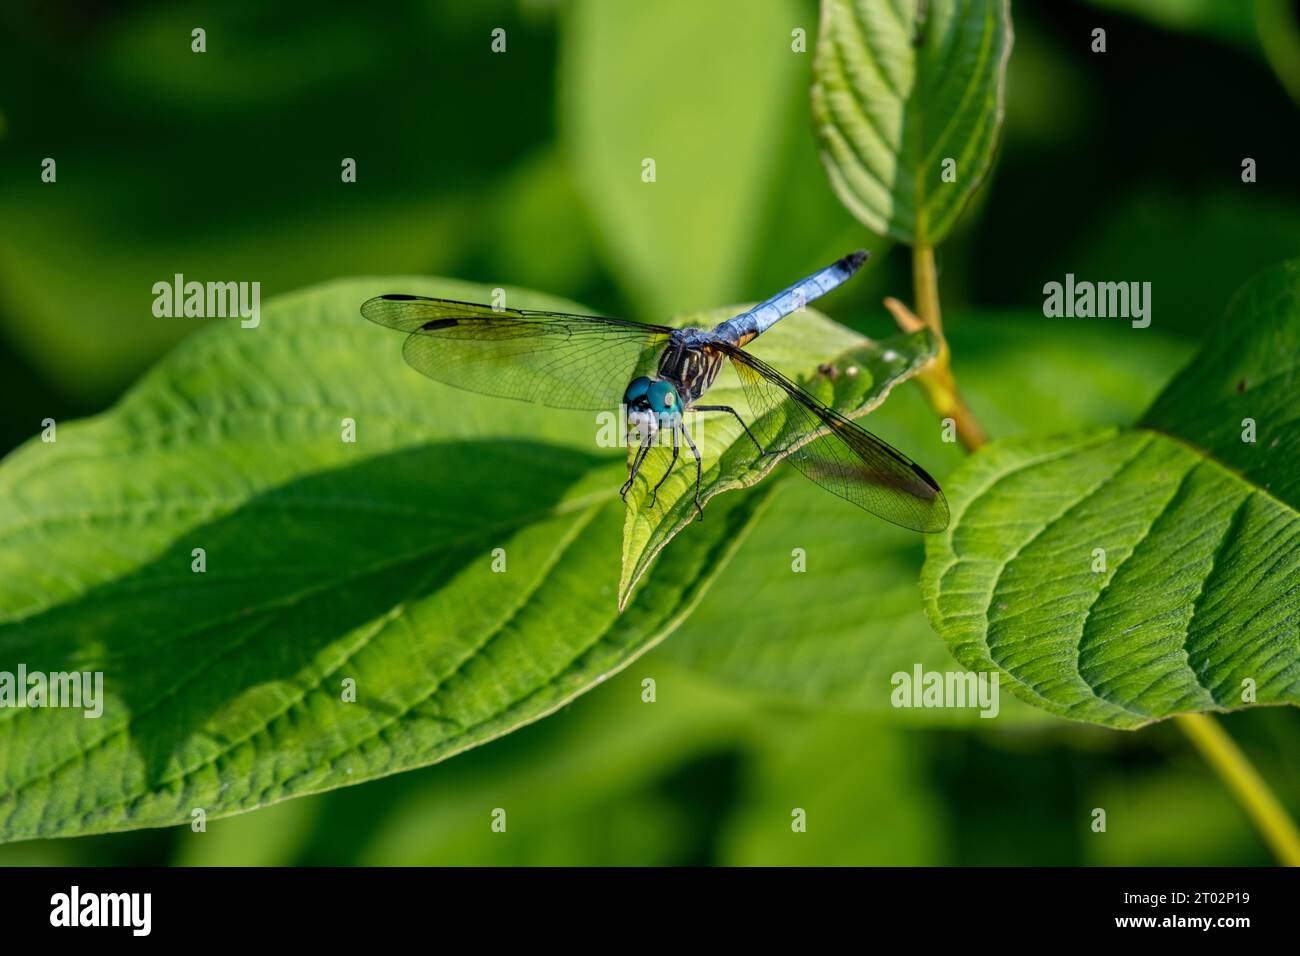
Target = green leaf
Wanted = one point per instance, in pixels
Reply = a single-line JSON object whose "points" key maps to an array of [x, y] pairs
{"points": [[1151, 231], [295, 83], [325, 560], [274, 836], [578, 789], [834, 776], [833, 635], [1248, 369], [897, 94], [645, 82], [1123, 576], [801, 345], [93, 353]]}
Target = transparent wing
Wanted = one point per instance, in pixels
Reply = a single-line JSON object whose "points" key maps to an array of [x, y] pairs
{"points": [[836, 453], [557, 359]]}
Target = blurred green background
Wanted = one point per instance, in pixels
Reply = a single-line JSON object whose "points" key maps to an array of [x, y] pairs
{"points": [[513, 169]]}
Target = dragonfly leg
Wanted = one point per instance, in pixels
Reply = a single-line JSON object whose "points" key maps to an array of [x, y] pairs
{"points": [[635, 469], [728, 408], [696, 452], [671, 465]]}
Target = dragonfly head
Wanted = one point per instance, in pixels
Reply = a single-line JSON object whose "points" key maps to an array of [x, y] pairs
{"points": [[651, 404]]}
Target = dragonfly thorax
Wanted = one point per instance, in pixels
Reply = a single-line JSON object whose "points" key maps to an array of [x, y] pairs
{"points": [[690, 362]]}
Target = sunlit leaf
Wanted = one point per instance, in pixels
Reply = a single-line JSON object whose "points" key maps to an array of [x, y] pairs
{"points": [[833, 633], [846, 371], [1121, 576], [457, 565], [907, 102]]}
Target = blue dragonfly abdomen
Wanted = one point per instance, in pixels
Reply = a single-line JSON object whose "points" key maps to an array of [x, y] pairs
{"points": [[744, 327]]}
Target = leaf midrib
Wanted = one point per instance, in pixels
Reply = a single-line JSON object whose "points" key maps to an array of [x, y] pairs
{"points": [[269, 609], [525, 519], [664, 531]]}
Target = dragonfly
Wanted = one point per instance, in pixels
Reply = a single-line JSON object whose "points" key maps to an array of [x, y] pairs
{"points": [[583, 361]]}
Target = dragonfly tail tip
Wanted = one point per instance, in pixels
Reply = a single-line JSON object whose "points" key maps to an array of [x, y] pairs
{"points": [[855, 259]]}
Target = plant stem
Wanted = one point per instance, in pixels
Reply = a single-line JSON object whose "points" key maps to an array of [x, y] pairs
{"points": [[1233, 767], [1245, 783], [938, 380]]}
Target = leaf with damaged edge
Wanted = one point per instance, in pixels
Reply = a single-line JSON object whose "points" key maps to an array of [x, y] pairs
{"points": [[848, 372]]}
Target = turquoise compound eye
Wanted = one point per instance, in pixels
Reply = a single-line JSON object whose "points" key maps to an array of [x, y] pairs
{"points": [[636, 390], [663, 397]]}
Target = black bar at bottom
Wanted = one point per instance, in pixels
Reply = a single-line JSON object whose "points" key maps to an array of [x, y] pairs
{"points": [[542, 907]]}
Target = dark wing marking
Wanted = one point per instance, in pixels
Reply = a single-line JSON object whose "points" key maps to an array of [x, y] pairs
{"points": [[557, 359], [837, 454]]}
